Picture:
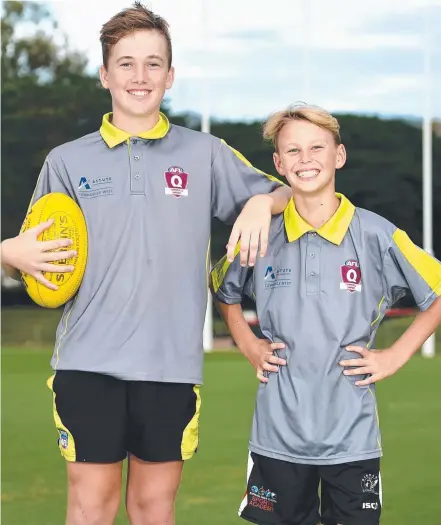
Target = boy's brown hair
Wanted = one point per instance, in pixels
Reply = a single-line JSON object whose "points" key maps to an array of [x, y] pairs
{"points": [[127, 21]]}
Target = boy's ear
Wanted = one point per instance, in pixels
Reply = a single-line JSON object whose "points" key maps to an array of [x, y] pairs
{"points": [[103, 77], [341, 156], [278, 164]]}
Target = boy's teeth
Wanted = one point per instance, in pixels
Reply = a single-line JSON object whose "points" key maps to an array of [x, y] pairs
{"points": [[309, 173], [138, 93]]}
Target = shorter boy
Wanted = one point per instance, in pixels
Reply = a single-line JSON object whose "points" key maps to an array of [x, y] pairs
{"points": [[330, 273]]}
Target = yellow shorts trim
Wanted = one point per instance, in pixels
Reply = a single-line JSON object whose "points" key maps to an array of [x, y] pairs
{"points": [[66, 442], [190, 436]]}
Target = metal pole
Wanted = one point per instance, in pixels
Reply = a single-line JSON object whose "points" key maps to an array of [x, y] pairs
{"points": [[307, 51], [205, 128], [428, 349]]}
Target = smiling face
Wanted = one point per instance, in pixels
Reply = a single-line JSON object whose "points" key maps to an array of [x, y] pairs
{"points": [[137, 75], [307, 155]]}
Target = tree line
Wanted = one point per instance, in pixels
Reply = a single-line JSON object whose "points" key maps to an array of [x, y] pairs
{"points": [[48, 98]]}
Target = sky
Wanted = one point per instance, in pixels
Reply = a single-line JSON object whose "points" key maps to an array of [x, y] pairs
{"points": [[243, 59]]}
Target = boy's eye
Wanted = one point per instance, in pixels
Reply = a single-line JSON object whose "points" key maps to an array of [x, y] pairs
{"points": [[293, 150], [317, 147]]}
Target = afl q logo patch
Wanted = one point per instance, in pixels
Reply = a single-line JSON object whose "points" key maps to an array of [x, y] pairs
{"points": [[351, 276], [176, 182]]}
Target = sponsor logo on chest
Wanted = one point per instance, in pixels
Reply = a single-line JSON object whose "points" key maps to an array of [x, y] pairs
{"points": [[92, 187], [276, 277]]}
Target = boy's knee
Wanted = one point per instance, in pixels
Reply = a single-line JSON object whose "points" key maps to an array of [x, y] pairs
{"points": [[97, 506]]}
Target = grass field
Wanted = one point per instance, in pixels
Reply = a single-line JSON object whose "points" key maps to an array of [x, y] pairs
{"points": [[33, 476]]}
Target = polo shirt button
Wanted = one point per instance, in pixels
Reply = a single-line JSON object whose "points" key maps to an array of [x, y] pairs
{"points": [[136, 157], [312, 255], [312, 274], [137, 176]]}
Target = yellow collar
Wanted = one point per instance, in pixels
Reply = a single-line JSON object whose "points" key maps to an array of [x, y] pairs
{"points": [[114, 136], [333, 230]]}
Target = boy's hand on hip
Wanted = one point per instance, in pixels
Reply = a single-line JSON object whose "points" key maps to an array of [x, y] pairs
{"points": [[261, 355], [378, 364]]}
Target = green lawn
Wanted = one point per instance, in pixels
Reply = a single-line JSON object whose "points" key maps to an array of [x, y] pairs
{"points": [[33, 477]]}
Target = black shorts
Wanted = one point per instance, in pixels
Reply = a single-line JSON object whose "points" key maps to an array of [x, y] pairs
{"points": [[101, 419], [280, 492]]}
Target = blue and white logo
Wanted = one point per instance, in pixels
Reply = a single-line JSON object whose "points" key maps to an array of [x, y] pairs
{"points": [[277, 277], [64, 439], [92, 187], [84, 184], [269, 274]]}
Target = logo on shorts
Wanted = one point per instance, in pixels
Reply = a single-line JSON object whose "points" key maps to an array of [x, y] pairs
{"points": [[372, 506], [263, 499], [277, 277], [176, 182], [64, 439], [351, 276], [369, 483]]}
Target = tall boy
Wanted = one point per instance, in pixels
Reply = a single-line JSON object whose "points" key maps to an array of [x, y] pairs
{"points": [[128, 356]]}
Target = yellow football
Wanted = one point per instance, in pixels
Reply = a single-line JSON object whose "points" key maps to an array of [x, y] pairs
{"points": [[69, 223]]}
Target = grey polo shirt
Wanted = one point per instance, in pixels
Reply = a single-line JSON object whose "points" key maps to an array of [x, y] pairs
{"points": [[319, 291], [148, 202]]}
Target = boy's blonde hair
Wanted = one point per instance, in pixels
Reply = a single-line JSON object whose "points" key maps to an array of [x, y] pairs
{"points": [[314, 114]]}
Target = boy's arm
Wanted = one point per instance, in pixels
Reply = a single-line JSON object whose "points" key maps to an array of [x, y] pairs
{"points": [[24, 252], [253, 224], [239, 187], [406, 267], [384, 363], [229, 283], [259, 352], [419, 331]]}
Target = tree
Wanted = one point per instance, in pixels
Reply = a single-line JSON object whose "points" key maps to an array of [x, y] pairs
{"points": [[37, 56], [47, 99]]}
